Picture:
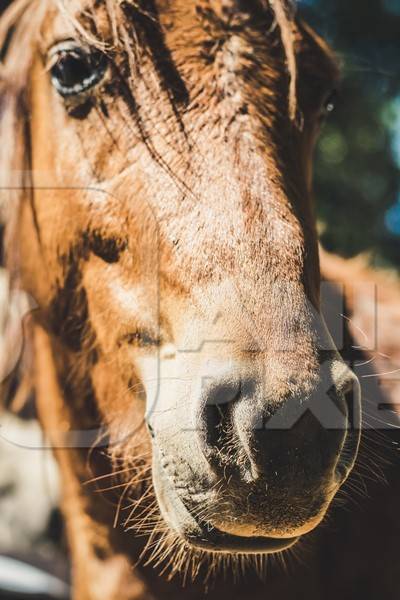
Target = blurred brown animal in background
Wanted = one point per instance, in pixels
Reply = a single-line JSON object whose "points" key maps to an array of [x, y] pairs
{"points": [[158, 162]]}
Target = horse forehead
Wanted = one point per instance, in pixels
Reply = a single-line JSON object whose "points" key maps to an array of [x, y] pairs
{"points": [[196, 20], [228, 13], [228, 9]]}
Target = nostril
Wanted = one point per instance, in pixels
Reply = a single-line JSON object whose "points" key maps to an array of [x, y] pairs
{"points": [[351, 394], [352, 397], [219, 435], [223, 394], [349, 399], [351, 442], [216, 411], [344, 392], [214, 419]]}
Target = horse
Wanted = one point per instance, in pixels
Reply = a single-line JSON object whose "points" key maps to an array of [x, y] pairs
{"points": [[157, 172]]}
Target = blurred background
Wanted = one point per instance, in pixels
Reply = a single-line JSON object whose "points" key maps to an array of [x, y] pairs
{"points": [[357, 167], [357, 190]]}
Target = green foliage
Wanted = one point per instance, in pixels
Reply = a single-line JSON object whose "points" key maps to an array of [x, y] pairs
{"points": [[357, 170]]}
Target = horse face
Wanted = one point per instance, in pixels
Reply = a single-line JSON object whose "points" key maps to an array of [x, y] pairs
{"points": [[179, 176]]}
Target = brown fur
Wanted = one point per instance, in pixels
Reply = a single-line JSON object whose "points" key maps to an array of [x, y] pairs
{"points": [[208, 130]]}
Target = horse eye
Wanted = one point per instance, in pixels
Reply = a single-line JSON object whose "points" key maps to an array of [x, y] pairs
{"points": [[75, 70], [329, 104]]}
